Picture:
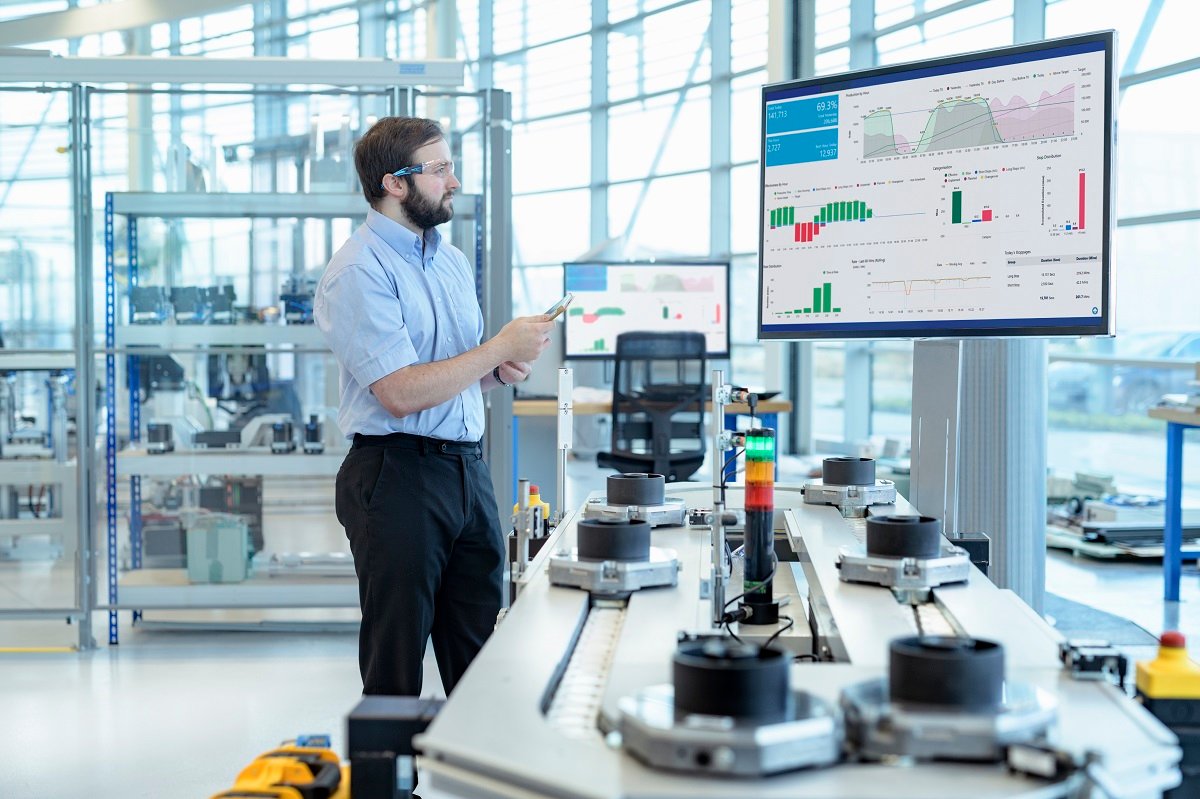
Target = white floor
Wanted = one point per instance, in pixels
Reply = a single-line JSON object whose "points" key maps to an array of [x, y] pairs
{"points": [[170, 713]]}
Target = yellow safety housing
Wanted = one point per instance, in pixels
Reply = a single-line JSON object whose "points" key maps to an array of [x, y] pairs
{"points": [[1171, 675], [292, 772]]}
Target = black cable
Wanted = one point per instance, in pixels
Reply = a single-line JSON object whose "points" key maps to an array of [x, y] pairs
{"points": [[812, 658], [732, 458], [791, 623], [732, 634]]}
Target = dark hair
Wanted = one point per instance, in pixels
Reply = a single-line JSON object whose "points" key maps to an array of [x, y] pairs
{"points": [[389, 145]]}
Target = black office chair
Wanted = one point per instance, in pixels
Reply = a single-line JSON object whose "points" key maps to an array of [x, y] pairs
{"points": [[659, 393]]}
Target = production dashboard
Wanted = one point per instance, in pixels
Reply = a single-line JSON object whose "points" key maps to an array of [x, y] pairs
{"points": [[955, 196]]}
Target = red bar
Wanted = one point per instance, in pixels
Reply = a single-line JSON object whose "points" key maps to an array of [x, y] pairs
{"points": [[816, 228], [987, 214], [807, 232], [797, 231], [1082, 175]]}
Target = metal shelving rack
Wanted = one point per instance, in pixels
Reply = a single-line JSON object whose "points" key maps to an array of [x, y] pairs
{"points": [[145, 591], [83, 78]]}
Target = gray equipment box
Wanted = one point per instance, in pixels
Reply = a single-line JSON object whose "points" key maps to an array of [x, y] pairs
{"points": [[218, 549]]}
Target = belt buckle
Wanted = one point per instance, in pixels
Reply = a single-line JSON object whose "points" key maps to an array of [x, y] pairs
{"points": [[445, 447]]}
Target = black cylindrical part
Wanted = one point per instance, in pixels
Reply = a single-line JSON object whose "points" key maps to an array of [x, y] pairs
{"points": [[965, 673], [158, 433], [636, 488], [612, 539], [848, 472], [904, 536], [719, 677], [282, 432], [760, 567], [312, 430]]}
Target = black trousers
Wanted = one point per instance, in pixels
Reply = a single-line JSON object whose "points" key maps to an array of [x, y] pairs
{"points": [[429, 553]]}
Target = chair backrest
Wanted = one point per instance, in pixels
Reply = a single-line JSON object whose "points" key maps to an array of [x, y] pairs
{"points": [[659, 392]]}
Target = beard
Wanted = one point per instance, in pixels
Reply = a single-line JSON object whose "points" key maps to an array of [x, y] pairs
{"points": [[426, 213]]}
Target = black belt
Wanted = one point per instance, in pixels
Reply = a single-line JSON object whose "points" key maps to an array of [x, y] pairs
{"points": [[423, 444]]}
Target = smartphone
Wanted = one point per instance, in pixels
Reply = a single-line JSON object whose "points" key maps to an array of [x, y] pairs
{"points": [[559, 307]]}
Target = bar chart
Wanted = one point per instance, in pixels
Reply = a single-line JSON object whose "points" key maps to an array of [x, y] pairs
{"points": [[807, 230], [822, 302]]}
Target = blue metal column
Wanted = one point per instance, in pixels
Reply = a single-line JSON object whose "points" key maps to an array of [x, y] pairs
{"points": [[135, 412], [110, 409], [1173, 522]]}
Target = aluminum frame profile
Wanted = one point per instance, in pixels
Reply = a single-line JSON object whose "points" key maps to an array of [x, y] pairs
{"points": [[259, 71]]}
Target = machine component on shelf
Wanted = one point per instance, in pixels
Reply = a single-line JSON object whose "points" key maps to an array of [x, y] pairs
{"points": [[850, 484], [944, 699], [283, 437], [164, 542], [379, 743], [613, 557], [758, 604], [311, 564], [160, 438], [240, 495], [159, 373], [1094, 660], [221, 299], [218, 549], [637, 495], [217, 439], [906, 554], [296, 298], [1169, 687], [314, 435], [192, 305], [150, 305], [731, 712]]}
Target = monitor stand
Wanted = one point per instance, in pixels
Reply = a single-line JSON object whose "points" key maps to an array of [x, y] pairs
{"points": [[979, 450]]}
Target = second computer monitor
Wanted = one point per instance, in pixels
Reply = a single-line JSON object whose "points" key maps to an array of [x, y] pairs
{"points": [[614, 298]]}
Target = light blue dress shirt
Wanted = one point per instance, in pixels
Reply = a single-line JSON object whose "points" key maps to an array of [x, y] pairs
{"points": [[386, 302]]}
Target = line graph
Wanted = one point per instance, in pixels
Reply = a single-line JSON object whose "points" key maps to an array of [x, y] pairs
{"points": [[964, 122]]}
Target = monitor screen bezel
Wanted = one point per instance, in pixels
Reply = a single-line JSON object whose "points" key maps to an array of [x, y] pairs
{"points": [[830, 83], [728, 266]]}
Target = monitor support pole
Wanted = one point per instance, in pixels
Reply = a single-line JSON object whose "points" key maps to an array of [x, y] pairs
{"points": [[935, 396]]}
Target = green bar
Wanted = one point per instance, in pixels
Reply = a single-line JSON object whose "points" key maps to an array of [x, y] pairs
{"points": [[845, 211], [664, 312], [773, 218], [854, 210], [817, 299], [792, 215], [869, 212], [787, 216], [837, 310], [828, 295], [860, 209], [808, 310], [824, 214], [955, 207]]}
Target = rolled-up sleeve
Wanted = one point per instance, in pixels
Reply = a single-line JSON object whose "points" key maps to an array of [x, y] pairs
{"points": [[360, 316]]}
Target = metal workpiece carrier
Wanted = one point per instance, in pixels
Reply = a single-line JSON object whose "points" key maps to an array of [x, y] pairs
{"points": [[539, 714]]}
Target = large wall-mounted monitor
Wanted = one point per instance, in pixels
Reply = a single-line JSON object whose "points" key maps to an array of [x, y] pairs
{"points": [[963, 196], [612, 298]]}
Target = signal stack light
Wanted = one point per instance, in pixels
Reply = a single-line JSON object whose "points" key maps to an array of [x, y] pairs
{"points": [[760, 528]]}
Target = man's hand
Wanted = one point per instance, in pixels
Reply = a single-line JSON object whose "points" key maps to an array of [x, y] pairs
{"points": [[523, 339], [514, 371]]}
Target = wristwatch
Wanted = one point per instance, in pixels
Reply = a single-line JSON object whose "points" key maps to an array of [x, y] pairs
{"points": [[499, 379]]}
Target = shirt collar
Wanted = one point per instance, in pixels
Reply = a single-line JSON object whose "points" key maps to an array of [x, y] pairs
{"points": [[401, 239]]}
